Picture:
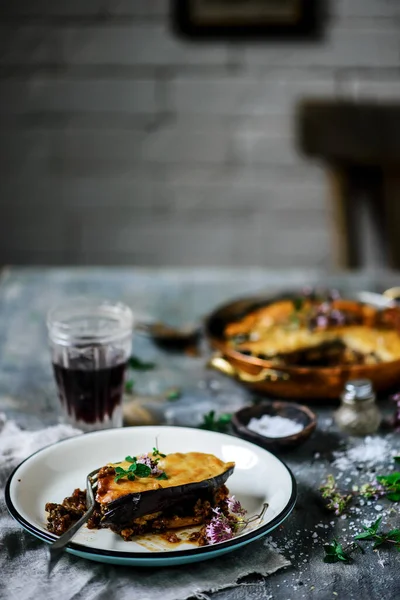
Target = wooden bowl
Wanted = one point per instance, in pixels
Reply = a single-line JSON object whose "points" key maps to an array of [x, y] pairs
{"points": [[295, 412], [318, 384]]}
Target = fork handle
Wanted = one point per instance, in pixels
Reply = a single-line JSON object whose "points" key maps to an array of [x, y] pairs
{"points": [[55, 549]]}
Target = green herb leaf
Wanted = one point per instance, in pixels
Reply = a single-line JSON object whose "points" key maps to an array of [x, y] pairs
{"points": [[139, 365], [156, 452], [173, 394], [389, 480], [132, 468], [130, 459], [369, 532], [334, 553], [394, 497], [162, 476], [142, 470], [391, 484], [129, 385], [394, 535], [131, 476], [298, 303], [211, 423], [397, 459]]}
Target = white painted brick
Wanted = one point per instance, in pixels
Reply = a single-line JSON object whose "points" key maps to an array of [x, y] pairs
{"points": [[28, 44], [144, 44], [92, 8], [351, 47], [358, 87], [179, 145], [24, 150], [252, 96], [137, 45], [261, 148], [41, 94], [367, 8], [102, 153], [28, 236], [256, 196], [178, 241]]}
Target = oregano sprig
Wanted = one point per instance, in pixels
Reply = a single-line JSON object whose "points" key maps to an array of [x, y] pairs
{"points": [[135, 469], [335, 552], [386, 486], [213, 423], [373, 533]]}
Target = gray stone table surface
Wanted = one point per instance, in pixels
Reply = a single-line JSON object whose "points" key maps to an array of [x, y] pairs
{"points": [[176, 296]]}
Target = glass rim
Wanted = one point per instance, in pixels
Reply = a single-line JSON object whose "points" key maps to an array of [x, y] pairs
{"points": [[62, 330]]}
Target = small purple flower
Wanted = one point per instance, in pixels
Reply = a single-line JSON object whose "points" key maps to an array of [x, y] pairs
{"points": [[379, 490], [145, 459], [333, 295], [235, 507], [218, 529], [324, 307], [321, 321], [337, 317]]}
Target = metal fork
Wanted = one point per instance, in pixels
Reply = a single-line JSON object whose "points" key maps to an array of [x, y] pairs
{"points": [[55, 550]]}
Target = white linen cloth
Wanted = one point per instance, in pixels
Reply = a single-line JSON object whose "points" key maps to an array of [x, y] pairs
{"points": [[23, 558]]}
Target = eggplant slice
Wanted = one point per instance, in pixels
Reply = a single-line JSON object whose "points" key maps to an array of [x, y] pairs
{"points": [[191, 476]]}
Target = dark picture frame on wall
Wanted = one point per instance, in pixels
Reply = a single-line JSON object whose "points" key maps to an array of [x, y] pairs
{"points": [[267, 19]]}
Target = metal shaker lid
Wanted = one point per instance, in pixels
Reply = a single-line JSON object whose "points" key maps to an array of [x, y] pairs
{"points": [[358, 389]]}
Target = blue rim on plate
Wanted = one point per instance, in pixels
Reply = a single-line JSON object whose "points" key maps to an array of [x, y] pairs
{"points": [[153, 558]]}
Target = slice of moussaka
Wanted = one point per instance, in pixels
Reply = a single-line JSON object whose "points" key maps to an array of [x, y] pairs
{"points": [[154, 493]]}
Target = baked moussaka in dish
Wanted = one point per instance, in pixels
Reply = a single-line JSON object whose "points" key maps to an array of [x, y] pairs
{"points": [[315, 330], [157, 493]]}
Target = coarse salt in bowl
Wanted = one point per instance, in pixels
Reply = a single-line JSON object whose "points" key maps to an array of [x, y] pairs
{"points": [[276, 426]]}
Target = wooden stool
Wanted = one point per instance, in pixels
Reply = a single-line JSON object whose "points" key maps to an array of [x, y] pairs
{"points": [[360, 144]]}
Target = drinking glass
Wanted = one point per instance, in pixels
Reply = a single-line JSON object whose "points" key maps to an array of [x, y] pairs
{"points": [[90, 343]]}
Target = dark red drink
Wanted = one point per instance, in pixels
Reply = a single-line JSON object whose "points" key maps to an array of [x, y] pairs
{"points": [[90, 396]]}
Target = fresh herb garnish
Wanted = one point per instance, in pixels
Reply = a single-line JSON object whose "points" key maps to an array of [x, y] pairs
{"points": [[162, 476], [211, 423], [156, 452], [391, 486], [135, 469], [298, 303], [173, 394], [129, 385], [135, 363], [335, 553], [336, 501], [372, 533], [397, 459], [385, 486], [142, 470]]}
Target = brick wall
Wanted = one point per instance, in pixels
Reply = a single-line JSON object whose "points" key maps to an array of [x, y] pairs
{"points": [[121, 144]]}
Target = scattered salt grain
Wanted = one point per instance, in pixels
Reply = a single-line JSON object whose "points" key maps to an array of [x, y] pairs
{"points": [[378, 507], [274, 427], [372, 451]]}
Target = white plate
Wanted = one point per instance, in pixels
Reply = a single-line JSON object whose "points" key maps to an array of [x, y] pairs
{"points": [[54, 472]]}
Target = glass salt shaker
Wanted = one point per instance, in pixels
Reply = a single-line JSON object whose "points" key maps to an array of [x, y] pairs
{"points": [[358, 413]]}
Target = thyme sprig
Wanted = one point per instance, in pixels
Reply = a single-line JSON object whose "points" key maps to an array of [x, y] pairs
{"points": [[385, 486]]}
